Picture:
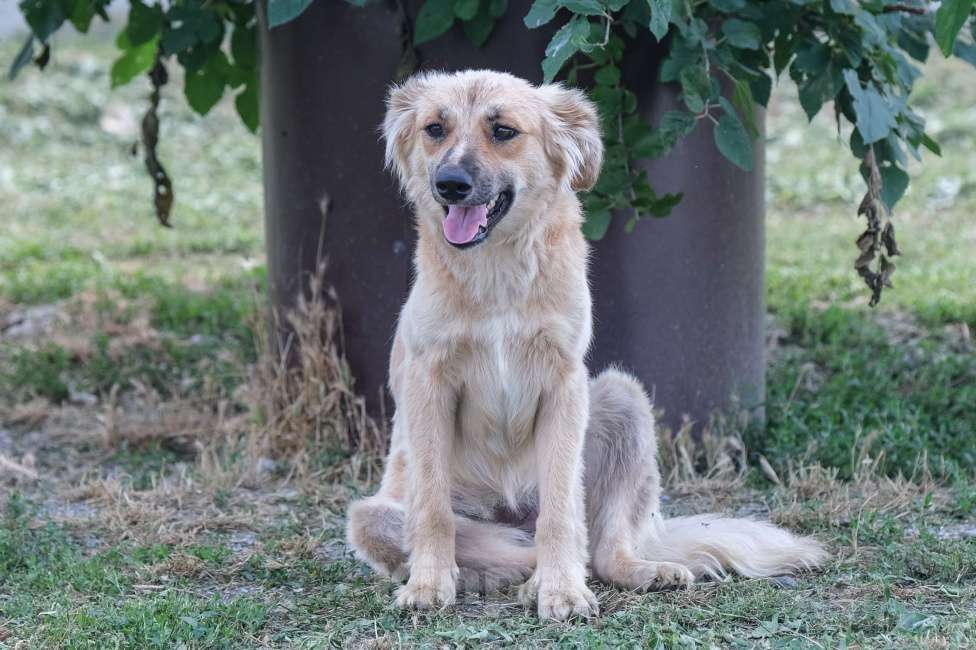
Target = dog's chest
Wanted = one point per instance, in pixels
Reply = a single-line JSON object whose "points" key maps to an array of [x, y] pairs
{"points": [[496, 415]]}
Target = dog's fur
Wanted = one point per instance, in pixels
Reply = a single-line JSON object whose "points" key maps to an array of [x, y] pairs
{"points": [[507, 459]]}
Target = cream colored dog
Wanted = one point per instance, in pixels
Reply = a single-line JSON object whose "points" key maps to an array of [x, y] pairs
{"points": [[507, 459]]}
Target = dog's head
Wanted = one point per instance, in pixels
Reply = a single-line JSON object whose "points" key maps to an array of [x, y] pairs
{"points": [[482, 151]]}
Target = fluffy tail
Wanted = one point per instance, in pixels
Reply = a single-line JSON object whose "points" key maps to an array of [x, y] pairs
{"points": [[713, 545], [490, 555]]}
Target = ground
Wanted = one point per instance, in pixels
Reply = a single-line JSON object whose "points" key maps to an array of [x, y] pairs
{"points": [[146, 502]]}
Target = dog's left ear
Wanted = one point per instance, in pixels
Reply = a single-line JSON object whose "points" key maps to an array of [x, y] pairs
{"points": [[572, 137]]}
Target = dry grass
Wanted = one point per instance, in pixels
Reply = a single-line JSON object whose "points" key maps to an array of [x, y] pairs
{"points": [[302, 393], [842, 502]]}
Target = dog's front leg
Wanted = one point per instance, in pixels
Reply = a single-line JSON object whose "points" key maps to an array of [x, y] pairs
{"points": [[429, 404], [559, 581]]}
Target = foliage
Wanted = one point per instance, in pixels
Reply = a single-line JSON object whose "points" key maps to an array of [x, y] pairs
{"points": [[724, 55]]}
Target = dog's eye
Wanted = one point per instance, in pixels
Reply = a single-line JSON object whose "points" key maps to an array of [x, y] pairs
{"points": [[435, 130], [503, 133]]}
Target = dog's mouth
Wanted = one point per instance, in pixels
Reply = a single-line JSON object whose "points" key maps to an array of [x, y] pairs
{"points": [[469, 225]]}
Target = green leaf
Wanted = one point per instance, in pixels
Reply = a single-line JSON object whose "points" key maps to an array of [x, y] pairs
{"points": [[819, 88], [874, 117], [660, 17], [739, 33], [190, 26], [696, 87], [732, 139], [761, 87], [745, 105], [728, 6], [247, 103], [145, 22], [608, 75], [931, 144], [24, 57], [894, 182], [479, 28], [43, 16], [433, 19], [465, 9], [583, 7], [662, 205], [645, 142], [204, 87], [81, 14], [541, 12], [597, 223], [497, 8], [949, 19], [244, 46], [283, 11], [564, 44], [134, 61], [845, 7]]}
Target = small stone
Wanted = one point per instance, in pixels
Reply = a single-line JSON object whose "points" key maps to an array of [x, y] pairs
{"points": [[784, 582], [264, 467]]}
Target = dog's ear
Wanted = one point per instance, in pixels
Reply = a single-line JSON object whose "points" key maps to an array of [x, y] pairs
{"points": [[572, 136], [400, 121]]}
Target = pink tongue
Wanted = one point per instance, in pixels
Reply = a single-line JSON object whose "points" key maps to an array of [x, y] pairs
{"points": [[462, 222]]}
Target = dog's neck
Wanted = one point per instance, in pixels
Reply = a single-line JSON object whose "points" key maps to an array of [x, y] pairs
{"points": [[506, 268]]}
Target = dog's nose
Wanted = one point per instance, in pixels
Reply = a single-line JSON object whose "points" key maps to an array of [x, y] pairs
{"points": [[453, 183]]}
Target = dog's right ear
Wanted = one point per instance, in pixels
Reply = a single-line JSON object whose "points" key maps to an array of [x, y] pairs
{"points": [[400, 121]]}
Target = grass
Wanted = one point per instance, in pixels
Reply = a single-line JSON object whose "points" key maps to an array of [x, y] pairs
{"points": [[128, 392]]}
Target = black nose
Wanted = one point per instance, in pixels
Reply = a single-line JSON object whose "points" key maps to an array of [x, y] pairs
{"points": [[453, 183]]}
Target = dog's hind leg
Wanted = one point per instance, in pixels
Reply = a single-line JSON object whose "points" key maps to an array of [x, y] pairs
{"points": [[630, 544], [490, 555], [623, 486]]}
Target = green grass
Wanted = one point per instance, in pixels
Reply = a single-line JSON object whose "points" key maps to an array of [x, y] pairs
{"points": [[55, 594], [845, 380], [79, 231], [903, 591]]}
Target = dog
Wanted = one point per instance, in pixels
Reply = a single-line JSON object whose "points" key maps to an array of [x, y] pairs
{"points": [[507, 460]]}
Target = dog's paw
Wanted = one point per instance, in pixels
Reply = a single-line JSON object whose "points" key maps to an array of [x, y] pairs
{"points": [[428, 588], [559, 598], [657, 576]]}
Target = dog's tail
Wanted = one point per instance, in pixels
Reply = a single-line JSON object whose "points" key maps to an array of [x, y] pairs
{"points": [[712, 545], [490, 555]]}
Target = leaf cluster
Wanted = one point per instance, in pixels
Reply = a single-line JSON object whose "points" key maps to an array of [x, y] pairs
{"points": [[860, 57]]}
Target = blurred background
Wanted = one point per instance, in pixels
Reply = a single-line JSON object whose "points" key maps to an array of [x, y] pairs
{"points": [[127, 353]]}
